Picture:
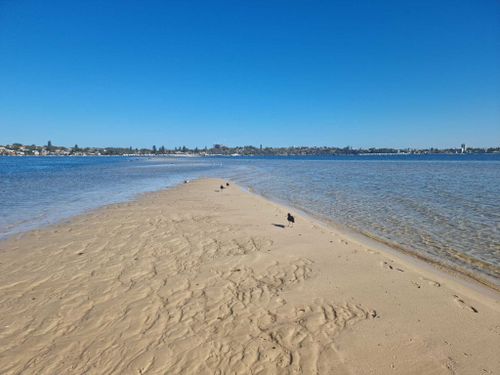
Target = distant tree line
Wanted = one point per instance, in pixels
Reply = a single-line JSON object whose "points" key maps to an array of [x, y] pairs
{"points": [[218, 149]]}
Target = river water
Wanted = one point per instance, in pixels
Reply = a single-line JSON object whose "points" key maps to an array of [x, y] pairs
{"points": [[444, 207]]}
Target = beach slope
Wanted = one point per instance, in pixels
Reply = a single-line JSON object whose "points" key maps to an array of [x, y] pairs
{"points": [[198, 280]]}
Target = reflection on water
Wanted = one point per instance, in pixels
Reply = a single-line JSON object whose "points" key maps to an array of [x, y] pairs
{"points": [[446, 207]]}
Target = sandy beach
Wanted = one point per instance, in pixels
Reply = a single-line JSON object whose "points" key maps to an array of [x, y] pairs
{"points": [[195, 280]]}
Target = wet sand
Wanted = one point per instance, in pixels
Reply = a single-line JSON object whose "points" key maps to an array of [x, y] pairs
{"points": [[194, 280]]}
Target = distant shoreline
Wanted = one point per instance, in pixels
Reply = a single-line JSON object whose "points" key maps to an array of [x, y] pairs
{"points": [[257, 155], [18, 149]]}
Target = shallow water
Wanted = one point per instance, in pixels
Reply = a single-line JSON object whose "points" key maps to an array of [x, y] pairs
{"points": [[444, 207], [36, 191]]}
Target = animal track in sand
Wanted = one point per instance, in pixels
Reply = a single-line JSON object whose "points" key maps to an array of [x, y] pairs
{"points": [[416, 284], [430, 282], [389, 266], [464, 305]]}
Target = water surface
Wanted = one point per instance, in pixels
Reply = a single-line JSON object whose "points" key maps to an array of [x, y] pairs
{"points": [[440, 206]]}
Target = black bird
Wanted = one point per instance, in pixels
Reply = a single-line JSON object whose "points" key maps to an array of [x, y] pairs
{"points": [[222, 187], [290, 219], [227, 183]]}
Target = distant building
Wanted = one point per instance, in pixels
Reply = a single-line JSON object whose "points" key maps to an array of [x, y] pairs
{"points": [[463, 148]]}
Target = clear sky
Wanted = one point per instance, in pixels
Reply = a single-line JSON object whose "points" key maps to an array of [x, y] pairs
{"points": [[277, 73]]}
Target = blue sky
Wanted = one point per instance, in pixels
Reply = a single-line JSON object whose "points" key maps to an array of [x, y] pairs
{"points": [[278, 73]]}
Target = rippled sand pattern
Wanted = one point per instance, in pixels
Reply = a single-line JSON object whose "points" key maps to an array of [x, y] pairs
{"points": [[166, 296], [202, 281]]}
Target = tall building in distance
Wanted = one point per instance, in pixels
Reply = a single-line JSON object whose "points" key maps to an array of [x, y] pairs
{"points": [[463, 148]]}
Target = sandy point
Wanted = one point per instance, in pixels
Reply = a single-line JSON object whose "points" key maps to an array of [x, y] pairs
{"points": [[203, 280]]}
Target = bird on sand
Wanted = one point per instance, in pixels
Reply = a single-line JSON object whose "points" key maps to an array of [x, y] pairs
{"points": [[290, 219], [222, 187], [227, 183]]}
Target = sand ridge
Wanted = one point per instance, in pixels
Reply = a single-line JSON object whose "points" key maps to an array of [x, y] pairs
{"points": [[195, 280]]}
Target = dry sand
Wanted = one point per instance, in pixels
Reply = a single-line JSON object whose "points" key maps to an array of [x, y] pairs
{"points": [[194, 280]]}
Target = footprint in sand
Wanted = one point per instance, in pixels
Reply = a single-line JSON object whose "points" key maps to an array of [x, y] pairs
{"points": [[416, 284], [464, 305], [388, 266], [431, 282]]}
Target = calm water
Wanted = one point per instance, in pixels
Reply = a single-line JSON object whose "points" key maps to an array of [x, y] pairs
{"points": [[443, 207], [36, 191]]}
